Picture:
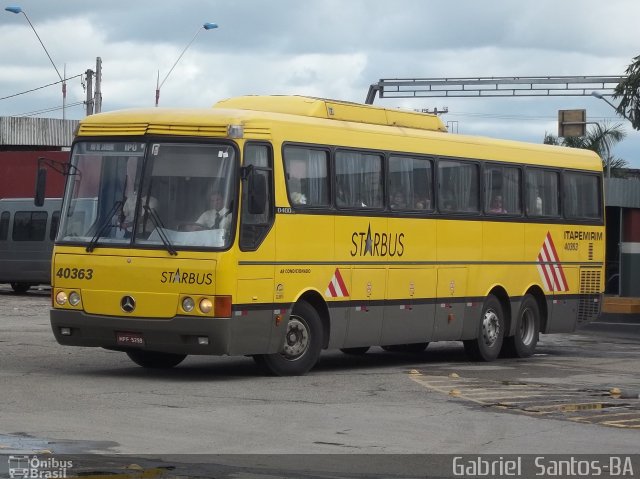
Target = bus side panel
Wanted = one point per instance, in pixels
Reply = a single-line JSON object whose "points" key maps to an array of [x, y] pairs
{"points": [[409, 313], [359, 240], [367, 311], [339, 322], [251, 334], [562, 315], [458, 244], [411, 289], [253, 327]]}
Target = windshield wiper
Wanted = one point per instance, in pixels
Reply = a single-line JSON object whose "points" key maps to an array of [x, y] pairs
{"points": [[103, 226], [157, 222]]}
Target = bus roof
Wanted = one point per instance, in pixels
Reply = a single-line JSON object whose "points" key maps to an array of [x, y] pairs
{"points": [[335, 110], [337, 122]]}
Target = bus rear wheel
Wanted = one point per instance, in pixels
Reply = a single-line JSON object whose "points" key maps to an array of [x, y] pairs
{"points": [[20, 288], [155, 360], [524, 342], [302, 344], [489, 337]]}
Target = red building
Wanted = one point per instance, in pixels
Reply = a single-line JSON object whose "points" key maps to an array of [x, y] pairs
{"points": [[22, 141], [18, 173]]}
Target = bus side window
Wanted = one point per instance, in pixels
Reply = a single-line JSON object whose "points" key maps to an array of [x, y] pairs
{"points": [[458, 186], [254, 227], [4, 226], [29, 226], [542, 194], [409, 183], [582, 196], [502, 190], [307, 176], [359, 180]]}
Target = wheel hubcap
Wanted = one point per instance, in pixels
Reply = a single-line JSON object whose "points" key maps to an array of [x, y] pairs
{"points": [[296, 340], [490, 327]]}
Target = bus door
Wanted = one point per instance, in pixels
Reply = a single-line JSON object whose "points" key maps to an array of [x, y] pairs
{"points": [[254, 300]]}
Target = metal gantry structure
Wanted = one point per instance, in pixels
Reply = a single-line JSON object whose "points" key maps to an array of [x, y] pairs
{"points": [[478, 87]]}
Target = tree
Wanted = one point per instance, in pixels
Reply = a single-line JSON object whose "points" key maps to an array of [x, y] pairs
{"points": [[628, 90], [601, 139]]}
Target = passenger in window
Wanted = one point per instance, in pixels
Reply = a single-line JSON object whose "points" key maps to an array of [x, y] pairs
{"points": [[538, 205], [496, 205], [218, 216], [298, 198], [341, 197], [448, 204], [423, 203], [295, 191], [398, 202]]}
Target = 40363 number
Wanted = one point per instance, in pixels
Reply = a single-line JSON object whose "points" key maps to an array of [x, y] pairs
{"points": [[75, 273]]}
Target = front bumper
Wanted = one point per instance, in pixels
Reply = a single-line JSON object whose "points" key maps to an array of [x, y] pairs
{"points": [[250, 334]]}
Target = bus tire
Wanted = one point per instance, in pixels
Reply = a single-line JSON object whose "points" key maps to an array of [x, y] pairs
{"points": [[488, 342], [524, 342], [355, 351], [302, 344], [155, 360], [20, 288], [413, 348]]}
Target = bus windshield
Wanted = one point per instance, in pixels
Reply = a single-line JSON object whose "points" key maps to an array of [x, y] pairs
{"points": [[167, 195]]}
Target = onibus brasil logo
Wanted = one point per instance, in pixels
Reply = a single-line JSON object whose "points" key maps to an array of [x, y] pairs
{"points": [[33, 467]]}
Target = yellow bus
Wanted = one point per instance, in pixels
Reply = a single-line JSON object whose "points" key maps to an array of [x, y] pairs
{"points": [[279, 226]]}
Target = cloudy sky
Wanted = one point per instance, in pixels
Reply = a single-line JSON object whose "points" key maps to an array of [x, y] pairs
{"points": [[327, 48]]}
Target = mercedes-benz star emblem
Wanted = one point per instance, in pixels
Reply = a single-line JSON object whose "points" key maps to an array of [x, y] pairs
{"points": [[128, 304]]}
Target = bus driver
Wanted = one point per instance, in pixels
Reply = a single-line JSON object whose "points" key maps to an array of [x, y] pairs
{"points": [[218, 216]]}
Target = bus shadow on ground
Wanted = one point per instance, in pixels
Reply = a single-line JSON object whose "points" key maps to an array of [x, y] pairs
{"points": [[232, 368]]}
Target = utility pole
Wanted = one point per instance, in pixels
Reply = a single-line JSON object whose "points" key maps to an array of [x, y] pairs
{"points": [[97, 104], [89, 101]]}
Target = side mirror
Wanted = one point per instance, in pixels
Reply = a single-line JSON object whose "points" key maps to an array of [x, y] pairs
{"points": [[41, 186], [257, 193]]}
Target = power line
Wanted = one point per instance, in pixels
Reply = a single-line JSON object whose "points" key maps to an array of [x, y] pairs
{"points": [[40, 87], [47, 110], [499, 116]]}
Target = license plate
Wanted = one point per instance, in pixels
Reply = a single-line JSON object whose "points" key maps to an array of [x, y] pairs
{"points": [[129, 339]]}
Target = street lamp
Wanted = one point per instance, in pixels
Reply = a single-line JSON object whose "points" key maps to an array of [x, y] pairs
{"points": [[599, 95], [16, 9], [206, 26]]}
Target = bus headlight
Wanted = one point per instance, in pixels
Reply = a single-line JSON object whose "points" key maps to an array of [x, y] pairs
{"points": [[206, 305], [188, 304], [74, 298], [61, 298]]}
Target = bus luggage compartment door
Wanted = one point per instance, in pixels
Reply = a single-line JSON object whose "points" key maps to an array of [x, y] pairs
{"points": [[450, 303]]}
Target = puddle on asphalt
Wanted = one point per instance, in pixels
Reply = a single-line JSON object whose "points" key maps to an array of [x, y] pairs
{"points": [[20, 443]]}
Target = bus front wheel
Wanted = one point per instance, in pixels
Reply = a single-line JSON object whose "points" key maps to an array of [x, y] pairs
{"points": [[20, 288], [302, 344], [155, 360], [489, 337], [524, 342]]}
